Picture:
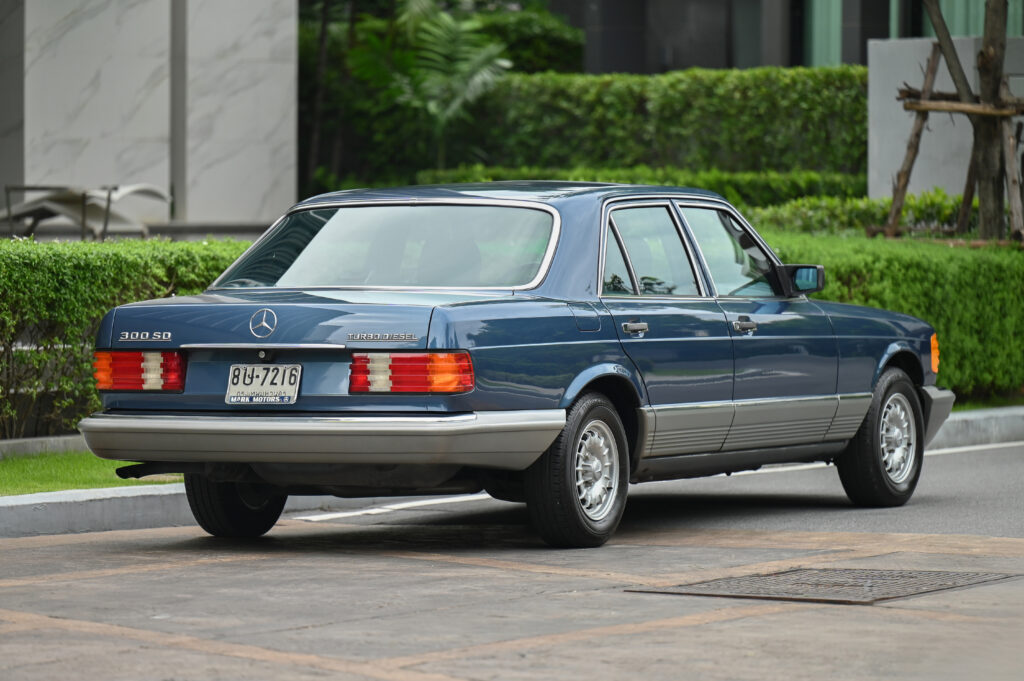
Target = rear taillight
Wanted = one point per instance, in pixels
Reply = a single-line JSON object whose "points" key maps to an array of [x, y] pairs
{"points": [[116, 370], [411, 372]]}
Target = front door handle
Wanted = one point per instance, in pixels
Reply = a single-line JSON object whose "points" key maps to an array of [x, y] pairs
{"points": [[745, 325], [634, 327]]}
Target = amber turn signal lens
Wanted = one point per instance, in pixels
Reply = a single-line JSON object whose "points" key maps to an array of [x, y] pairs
{"points": [[935, 353]]}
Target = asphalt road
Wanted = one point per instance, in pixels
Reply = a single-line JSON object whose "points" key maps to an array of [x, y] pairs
{"points": [[463, 590]]}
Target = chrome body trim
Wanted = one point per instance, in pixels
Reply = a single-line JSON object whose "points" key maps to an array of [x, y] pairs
{"points": [[782, 421], [710, 427], [508, 440], [849, 416], [542, 271], [262, 346]]}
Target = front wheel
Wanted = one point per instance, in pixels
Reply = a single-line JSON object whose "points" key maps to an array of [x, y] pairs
{"points": [[882, 464], [233, 509], [576, 491]]}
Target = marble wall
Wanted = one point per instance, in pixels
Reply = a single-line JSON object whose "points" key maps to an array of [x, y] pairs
{"points": [[241, 109], [97, 107]]}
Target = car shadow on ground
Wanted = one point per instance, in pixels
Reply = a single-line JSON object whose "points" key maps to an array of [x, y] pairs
{"points": [[496, 525]]}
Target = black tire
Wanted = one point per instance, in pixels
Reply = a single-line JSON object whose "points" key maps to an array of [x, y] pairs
{"points": [[233, 509], [879, 470], [593, 437]]}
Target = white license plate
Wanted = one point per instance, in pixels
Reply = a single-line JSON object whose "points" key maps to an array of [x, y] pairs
{"points": [[263, 383]]}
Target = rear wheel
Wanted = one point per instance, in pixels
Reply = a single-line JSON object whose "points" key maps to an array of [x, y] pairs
{"points": [[233, 509], [576, 491], [882, 464]]}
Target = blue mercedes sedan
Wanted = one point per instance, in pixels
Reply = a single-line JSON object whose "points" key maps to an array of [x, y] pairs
{"points": [[548, 342]]}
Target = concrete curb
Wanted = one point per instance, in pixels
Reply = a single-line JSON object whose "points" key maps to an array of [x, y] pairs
{"points": [[120, 508], [125, 508], [39, 445]]}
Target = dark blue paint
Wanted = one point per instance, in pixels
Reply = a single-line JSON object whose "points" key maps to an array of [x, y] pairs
{"points": [[532, 349]]}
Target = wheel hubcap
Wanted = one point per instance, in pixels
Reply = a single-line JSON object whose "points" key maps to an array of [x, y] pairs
{"points": [[898, 438], [597, 470]]}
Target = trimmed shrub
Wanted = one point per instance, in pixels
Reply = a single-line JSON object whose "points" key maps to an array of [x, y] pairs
{"points": [[971, 296], [768, 118], [52, 297], [831, 215], [744, 189]]}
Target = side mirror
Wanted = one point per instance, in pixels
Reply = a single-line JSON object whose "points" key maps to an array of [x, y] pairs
{"points": [[803, 279]]}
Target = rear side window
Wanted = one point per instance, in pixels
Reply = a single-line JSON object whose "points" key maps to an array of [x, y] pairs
{"points": [[655, 251], [616, 275], [404, 246]]}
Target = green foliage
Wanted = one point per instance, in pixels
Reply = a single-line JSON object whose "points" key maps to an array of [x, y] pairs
{"points": [[53, 472], [971, 296], [536, 40], [768, 118], [455, 64], [831, 215], [743, 189], [52, 297]]}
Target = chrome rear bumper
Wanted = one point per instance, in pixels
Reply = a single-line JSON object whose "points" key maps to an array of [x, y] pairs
{"points": [[509, 440]]}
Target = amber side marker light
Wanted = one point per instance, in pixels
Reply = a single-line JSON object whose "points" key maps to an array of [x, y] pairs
{"points": [[935, 353], [123, 370], [411, 372]]}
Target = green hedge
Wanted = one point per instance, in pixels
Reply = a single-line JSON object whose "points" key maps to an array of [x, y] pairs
{"points": [[741, 188], [52, 297], [831, 215], [767, 118], [971, 296], [535, 40]]}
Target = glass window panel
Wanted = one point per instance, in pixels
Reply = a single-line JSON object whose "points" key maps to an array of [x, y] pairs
{"points": [[616, 274], [431, 246], [737, 264], [655, 251]]}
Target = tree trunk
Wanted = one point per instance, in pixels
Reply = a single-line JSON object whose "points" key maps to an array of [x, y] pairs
{"points": [[987, 154], [988, 130]]}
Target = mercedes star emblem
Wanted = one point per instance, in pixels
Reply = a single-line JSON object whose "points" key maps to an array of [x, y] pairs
{"points": [[263, 322]]}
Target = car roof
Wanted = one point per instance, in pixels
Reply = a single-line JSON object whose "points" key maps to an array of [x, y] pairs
{"points": [[542, 191]]}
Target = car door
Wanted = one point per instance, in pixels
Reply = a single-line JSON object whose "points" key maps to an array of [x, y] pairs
{"points": [[786, 359], [670, 327]]}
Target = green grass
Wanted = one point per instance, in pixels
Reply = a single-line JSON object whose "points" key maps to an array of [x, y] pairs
{"points": [[65, 470]]}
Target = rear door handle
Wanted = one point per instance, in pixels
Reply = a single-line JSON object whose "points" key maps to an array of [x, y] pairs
{"points": [[745, 325], [634, 327]]}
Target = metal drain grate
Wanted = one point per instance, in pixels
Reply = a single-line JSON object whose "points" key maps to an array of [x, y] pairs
{"points": [[849, 586]]}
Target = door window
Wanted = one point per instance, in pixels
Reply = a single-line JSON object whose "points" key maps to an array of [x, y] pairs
{"points": [[738, 265], [655, 251], [616, 281]]}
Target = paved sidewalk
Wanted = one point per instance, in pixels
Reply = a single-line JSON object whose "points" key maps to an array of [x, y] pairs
{"points": [[123, 508]]}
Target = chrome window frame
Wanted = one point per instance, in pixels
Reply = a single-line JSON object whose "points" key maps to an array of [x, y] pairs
{"points": [[538, 279], [646, 201]]}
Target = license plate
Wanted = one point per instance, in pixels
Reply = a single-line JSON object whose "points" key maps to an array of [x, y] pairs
{"points": [[263, 383]]}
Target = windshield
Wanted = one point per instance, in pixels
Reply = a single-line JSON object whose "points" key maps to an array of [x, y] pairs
{"points": [[408, 246]]}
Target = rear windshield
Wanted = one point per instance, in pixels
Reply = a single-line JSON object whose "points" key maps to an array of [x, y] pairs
{"points": [[408, 246]]}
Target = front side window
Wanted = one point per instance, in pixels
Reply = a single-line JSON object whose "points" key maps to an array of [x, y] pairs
{"points": [[655, 251], [405, 246], [738, 266]]}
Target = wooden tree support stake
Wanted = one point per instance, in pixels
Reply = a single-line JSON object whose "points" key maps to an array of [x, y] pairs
{"points": [[899, 193], [966, 203], [1012, 172]]}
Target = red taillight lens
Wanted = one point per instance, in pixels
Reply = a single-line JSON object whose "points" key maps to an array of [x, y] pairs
{"points": [[411, 372], [117, 370]]}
